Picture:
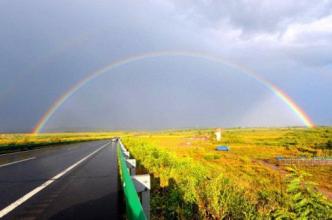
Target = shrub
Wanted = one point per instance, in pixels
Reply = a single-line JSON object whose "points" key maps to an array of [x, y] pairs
{"points": [[302, 200]]}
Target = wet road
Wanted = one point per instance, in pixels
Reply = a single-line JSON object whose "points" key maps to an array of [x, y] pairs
{"points": [[74, 181]]}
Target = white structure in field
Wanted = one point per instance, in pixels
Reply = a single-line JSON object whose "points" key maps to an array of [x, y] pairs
{"points": [[217, 133]]}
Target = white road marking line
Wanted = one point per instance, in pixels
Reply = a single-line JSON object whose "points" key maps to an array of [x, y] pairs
{"points": [[27, 196], [19, 161]]}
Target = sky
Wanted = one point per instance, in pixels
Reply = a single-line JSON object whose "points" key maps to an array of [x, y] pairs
{"points": [[46, 47]]}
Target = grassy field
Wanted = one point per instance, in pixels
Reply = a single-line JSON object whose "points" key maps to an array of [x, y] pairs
{"points": [[192, 180], [18, 142]]}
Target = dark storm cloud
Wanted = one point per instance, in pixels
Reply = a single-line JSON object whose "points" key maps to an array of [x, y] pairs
{"points": [[47, 46], [300, 29]]}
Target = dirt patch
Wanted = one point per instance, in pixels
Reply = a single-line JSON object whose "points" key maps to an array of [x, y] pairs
{"points": [[198, 138], [272, 166], [189, 141], [326, 192]]}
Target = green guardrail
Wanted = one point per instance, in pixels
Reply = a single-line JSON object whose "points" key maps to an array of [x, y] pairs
{"points": [[134, 209]]}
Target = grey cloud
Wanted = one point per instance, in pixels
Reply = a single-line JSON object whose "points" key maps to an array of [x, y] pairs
{"points": [[311, 55], [253, 16]]}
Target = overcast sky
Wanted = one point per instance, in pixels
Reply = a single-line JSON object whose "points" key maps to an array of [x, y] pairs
{"points": [[48, 46]]}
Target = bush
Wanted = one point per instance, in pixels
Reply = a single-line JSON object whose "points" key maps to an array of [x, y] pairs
{"points": [[302, 200]]}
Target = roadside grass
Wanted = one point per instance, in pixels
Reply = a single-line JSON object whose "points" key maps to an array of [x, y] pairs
{"points": [[190, 173], [19, 142]]}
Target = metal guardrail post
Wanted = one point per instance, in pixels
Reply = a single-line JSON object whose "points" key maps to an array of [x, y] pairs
{"points": [[131, 164], [143, 186], [126, 154]]}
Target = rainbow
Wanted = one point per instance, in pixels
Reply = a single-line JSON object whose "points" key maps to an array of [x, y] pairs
{"points": [[277, 91]]}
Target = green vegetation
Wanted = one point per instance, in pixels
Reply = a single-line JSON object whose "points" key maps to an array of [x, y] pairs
{"points": [[302, 199], [18, 142], [182, 187], [193, 181]]}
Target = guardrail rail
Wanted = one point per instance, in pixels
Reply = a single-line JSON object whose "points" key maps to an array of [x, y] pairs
{"points": [[133, 184]]}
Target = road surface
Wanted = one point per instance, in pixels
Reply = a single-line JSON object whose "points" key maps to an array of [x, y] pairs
{"points": [[73, 181]]}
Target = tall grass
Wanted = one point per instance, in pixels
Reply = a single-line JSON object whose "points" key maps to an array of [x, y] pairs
{"points": [[190, 186], [185, 189]]}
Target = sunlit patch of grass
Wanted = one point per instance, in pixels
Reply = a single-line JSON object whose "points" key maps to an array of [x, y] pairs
{"points": [[14, 142], [250, 164]]}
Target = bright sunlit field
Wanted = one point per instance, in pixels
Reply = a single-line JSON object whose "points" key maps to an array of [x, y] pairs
{"points": [[190, 172]]}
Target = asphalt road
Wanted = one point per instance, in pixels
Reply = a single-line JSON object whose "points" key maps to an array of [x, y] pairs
{"points": [[74, 181]]}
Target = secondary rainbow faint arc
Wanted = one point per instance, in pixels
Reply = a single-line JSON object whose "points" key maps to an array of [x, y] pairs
{"points": [[276, 90]]}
